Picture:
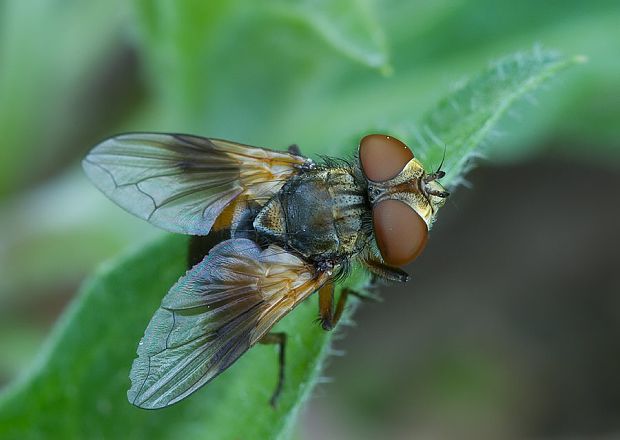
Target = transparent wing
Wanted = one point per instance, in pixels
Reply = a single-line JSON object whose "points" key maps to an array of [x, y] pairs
{"points": [[182, 183], [213, 314]]}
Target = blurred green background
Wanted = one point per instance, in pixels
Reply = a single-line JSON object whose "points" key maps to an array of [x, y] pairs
{"points": [[510, 326]]}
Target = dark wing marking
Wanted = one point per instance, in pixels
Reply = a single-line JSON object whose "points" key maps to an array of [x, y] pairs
{"points": [[213, 314], [182, 183]]}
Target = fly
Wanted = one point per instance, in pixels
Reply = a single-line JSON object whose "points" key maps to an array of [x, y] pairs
{"points": [[284, 227]]}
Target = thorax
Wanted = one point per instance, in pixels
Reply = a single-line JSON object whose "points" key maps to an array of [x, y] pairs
{"points": [[319, 213]]}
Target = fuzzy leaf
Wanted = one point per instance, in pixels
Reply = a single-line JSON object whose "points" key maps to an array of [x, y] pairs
{"points": [[462, 121]]}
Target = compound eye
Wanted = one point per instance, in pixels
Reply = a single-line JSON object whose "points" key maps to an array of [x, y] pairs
{"points": [[400, 232], [383, 157]]}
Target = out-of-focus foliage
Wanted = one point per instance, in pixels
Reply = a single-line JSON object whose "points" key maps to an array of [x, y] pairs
{"points": [[81, 382], [315, 73], [267, 74], [50, 52]]}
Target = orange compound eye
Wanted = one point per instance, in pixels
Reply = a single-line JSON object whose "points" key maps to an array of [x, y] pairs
{"points": [[400, 232], [383, 157]]}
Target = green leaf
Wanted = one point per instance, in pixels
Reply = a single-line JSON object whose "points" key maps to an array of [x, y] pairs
{"points": [[78, 387], [462, 121]]}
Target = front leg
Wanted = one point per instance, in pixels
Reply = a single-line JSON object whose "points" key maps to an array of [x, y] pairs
{"points": [[326, 306], [384, 271], [328, 316]]}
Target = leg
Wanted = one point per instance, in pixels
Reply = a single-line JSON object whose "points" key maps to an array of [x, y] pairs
{"points": [[326, 306], [327, 315], [280, 339], [384, 271]]}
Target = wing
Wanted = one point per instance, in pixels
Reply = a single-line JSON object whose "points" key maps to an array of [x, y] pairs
{"points": [[182, 183], [213, 314]]}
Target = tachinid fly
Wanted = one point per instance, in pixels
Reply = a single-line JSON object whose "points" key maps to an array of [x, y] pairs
{"points": [[288, 227]]}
